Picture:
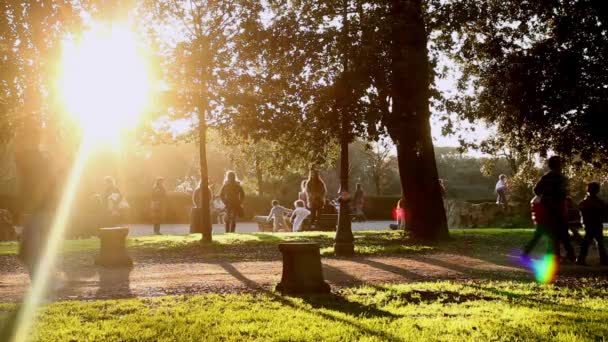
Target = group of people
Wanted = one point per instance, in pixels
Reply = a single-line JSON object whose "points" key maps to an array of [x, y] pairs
{"points": [[550, 211], [227, 205], [312, 202]]}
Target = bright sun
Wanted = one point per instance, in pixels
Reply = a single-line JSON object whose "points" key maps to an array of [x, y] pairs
{"points": [[104, 82]]}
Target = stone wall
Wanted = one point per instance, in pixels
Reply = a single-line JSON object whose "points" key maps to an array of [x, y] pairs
{"points": [[467, 215]]}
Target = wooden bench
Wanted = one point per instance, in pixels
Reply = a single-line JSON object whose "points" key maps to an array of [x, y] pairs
{"points": [[265, 226]]}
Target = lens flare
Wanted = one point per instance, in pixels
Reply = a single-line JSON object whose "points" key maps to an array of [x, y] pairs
{"points": [[544, 269], [47, 261]]}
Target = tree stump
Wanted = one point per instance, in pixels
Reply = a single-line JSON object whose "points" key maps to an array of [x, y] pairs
{"points": [[302, 272], [113, 250]]}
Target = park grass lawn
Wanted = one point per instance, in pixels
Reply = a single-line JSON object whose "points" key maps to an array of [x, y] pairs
{"points": [[366, 242], [256, 245], [442, 311]]}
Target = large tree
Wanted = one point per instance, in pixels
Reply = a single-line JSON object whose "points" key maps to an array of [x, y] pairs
{"points": [[535, 69], [206, 65]]}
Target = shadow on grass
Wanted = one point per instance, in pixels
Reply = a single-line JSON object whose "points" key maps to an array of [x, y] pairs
{"points": [[330, 306]]}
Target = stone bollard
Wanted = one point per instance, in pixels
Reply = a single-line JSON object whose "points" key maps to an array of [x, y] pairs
{"points": [[302, 272], [113, 251]]}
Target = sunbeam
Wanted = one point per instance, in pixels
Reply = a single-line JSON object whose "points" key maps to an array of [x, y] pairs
{"points": [[47, 261]]}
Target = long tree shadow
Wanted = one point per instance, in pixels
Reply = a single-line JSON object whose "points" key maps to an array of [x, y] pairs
{"points": [[389, 268], [337, 276], [326, 306]]}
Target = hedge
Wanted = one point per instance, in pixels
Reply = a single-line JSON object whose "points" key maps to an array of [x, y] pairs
{"points": [[179, 205]]}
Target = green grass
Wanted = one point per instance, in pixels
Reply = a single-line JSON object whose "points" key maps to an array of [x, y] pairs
{"points": [[488, 243], [236, 245], [443, 311]]}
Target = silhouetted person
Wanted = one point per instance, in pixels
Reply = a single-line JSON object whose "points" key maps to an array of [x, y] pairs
{"points": [[359, 201], [232, 195], [37, 227], [539, 217], [574, 220], [158, 204], [315, 194], [112, 198], [593, 210], [552, 189]]}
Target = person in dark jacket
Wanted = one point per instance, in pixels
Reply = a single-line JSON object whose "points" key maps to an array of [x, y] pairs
{"points": [[232, 195], [574, 220], [316, 191], [593, 210], [553, 191], [158, 204]]}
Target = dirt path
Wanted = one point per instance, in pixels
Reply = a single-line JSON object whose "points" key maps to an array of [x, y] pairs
{"points": [[90, 282], [87, 282]]}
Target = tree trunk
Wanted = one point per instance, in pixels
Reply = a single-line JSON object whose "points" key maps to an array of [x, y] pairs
{"points": [[205, 207], [259, 177], [410, 127], [344, 235]]}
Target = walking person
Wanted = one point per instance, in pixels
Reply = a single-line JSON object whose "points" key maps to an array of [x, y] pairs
{"points": [[593, 210], [299, 215], [316, 191], [232, 195], [359, 200], [277, 215], [158, 204], [552, 189]]}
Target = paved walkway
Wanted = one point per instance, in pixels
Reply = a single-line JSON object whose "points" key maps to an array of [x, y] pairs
{"points": [[241, 227]]}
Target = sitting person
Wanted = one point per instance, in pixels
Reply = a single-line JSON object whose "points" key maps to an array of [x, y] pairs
{"points": [[299, 215], [277, 215]]}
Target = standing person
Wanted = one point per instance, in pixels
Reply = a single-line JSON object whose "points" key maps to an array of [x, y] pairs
{"points": [[299, 215], [197, 203], [38, 226], [277, 215], [593, 210], [112, 198], [315, 194], [358, 203], [158, 203], [302, 194], [232, 195], [552, 189], [501, 190]]}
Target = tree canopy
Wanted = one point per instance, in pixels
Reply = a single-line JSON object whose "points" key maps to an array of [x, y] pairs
{"points": [[535, 69]]}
